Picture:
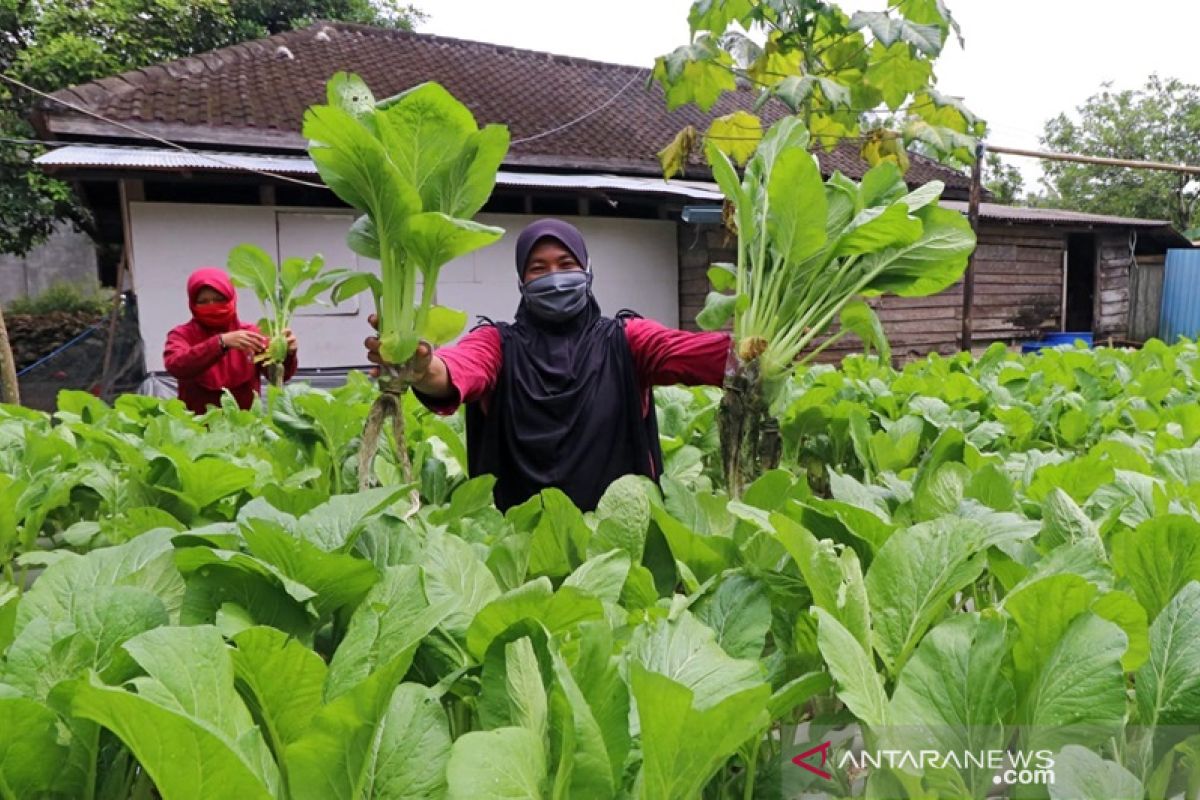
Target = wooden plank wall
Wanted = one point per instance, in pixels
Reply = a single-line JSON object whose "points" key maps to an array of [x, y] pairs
{"points": [[1018, 294], [1018, 290], [1114, 260], [1145, 297], [1018, 282]]}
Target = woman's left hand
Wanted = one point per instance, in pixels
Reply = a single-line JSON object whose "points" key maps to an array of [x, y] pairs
{"points": [[291, 341]]}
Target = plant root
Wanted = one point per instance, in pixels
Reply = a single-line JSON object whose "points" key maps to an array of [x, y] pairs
{"points": [[750, 440], [389, 405]]}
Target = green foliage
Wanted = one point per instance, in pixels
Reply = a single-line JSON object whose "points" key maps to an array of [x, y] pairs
{"points": [[1004, 181], [52, 45], [1080, 773], [418, 168], [807, 248], [829, 68], [930, 583], [1158, 122], [956, 692], [294, 284], [64, 297]]}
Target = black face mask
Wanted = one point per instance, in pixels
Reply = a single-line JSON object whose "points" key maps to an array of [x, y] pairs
{"points": [[559, 296]]}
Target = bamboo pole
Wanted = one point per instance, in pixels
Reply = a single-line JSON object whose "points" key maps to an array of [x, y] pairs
{"points": [[973, 218], [114, 313], [10, 391], [1098, 160]]}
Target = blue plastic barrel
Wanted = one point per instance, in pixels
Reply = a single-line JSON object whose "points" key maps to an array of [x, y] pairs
{"points": [[1057, 339], [1181, 296], [1067, 338]]}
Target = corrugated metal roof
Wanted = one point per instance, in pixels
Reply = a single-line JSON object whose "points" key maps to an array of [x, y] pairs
{"points": [[105, 157], [148, 158], [1051, 216], [697, 190]]}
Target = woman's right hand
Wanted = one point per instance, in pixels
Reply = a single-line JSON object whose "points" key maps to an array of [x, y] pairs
{"points": [[246, 341], [425, 372], [417, 368]]}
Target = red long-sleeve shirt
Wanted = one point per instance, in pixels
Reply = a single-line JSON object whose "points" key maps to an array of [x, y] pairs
{"points": [[661, 356], [189, 353]]}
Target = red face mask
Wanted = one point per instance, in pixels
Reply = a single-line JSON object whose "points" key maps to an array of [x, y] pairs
{"points": [[214, 315]]}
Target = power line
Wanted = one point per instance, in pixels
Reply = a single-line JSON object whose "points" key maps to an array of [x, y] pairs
{"points": [[266, 173], [582, 117], [159, 139]]}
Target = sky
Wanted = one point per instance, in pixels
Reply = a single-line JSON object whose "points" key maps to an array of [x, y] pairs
{"points": [[1024, 61]]}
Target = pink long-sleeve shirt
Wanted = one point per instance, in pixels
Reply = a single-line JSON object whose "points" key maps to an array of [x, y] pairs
{"points": [[661, 356]]}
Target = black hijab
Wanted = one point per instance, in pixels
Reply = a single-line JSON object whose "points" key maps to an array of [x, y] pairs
{"points": [[566, 411], [564, 233]]}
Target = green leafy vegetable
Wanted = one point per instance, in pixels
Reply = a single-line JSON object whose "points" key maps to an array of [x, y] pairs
{"points": [[418, 168], [295, 284]]}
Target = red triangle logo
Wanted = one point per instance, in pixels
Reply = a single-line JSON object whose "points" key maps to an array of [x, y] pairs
{"points": [[823, 749]]}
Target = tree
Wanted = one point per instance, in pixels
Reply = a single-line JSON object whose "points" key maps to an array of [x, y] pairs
{"points": [[833, 70], [1158, 122], [1003, 180], [9, 389], [52, 44]]}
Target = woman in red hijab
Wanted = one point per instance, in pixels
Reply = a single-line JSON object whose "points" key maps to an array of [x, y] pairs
{"points": [[215, 350]]}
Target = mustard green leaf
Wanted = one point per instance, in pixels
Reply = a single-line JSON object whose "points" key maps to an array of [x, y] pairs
{"points": [[497, 765], [433, 239], [859, 686], [1167, 687], [1158, 558], [1081, 774], [282, 682], [684, 743]]}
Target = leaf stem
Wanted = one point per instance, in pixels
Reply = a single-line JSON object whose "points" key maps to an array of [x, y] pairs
{"points": [[751, 770], [825, 344], [742, 279]]}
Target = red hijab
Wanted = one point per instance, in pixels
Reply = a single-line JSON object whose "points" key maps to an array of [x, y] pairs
{"points": [[234, 368]]}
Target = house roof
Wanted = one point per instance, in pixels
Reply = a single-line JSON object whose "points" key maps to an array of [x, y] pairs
{"points": [[1017, 215], [1002, 213], [254, 95], [152, 159]]}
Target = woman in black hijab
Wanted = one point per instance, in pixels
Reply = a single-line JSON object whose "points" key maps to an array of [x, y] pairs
{"points": [[562, 396]]}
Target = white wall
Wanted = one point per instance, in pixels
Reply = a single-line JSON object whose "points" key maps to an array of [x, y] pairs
{"points": [[635, 261]]}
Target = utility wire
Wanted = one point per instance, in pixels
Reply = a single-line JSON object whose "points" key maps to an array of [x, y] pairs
{"points": [[582, 117], [266, 173], [146, 135]]}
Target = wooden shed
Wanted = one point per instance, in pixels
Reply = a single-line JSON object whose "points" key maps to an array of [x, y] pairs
{"points": [[1036, 270]]}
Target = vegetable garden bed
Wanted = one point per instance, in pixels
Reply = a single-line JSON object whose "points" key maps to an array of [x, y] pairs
{"points": [[964, 555]]}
